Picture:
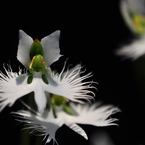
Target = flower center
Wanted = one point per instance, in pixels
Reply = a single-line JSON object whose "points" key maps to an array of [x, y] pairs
{"points": [[138, 22], [37, 63]]}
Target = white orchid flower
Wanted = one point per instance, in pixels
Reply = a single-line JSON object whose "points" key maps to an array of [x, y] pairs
{"points": [[47, 125], [37, 57]]}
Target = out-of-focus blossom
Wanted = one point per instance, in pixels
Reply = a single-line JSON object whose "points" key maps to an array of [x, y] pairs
{"points": [[133, 12], [132, 51], [47, 125]]}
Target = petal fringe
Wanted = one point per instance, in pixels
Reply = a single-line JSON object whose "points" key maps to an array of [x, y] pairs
{"points": [[95, 114], [71, 85], [12, 87]]}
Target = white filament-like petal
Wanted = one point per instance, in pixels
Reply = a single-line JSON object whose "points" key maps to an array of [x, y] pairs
{"points": [[132, 51], [51, 48], [71, 85], [92, 115], [25, 42], [45, 125], [14, 85]]}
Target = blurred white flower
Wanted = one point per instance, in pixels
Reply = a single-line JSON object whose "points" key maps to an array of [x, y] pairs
{"points": [[47, 125], [133, 50], [133, 12]]}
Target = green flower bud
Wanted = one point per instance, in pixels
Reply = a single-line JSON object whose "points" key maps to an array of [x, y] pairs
{"points": [[37, 64], [36, 48]]}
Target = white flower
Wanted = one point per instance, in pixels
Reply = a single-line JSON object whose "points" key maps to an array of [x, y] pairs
{"points": [[37, 57], [84, 114], [133, 12], [68, 84]]}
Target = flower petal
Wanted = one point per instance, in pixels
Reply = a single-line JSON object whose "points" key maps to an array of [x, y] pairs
{"points": [[12, 87], [92, 115], [51, 48], [132, 51], [24, 45], [46, 126], [95, 115], [39, 92], [70, 85]]}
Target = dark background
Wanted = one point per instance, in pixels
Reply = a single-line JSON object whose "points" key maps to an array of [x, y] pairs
{"points": [[90, 33]]}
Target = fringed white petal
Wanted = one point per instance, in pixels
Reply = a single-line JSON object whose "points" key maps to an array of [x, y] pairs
{"points": [[44, 125], [25, 42], [134, 50], [12, 87], [95, 114], [51, 48], [71, 85], [92, 115]]}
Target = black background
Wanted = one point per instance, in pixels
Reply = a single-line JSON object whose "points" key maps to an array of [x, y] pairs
{"points": [[90, 33]]}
